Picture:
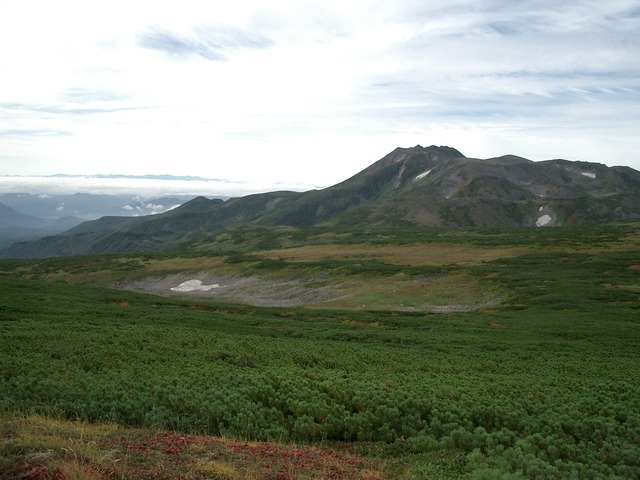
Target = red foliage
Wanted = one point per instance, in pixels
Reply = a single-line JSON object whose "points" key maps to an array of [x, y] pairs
{"points": [[39, 472]]}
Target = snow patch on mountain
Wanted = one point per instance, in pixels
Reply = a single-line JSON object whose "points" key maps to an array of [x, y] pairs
{"points": [[194, 285], [422, 175], [543, 220]]}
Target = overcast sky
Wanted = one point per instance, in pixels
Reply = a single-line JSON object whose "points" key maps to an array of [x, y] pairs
{"points": [[311, 92]]}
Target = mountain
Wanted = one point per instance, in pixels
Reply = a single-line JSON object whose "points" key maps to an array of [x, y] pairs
{"points": [[435, 186], [16, 226], [10, 217], [90, 206], [432, 186], [27, 217]]}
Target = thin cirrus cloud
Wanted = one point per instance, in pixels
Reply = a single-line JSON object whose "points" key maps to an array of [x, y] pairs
{"points": [[74, 101], [518, 62], [211, 43], [86, 95], [31, 132], [63, 109]]}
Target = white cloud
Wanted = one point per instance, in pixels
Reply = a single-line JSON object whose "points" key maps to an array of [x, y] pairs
{"points": [[310, 92]]}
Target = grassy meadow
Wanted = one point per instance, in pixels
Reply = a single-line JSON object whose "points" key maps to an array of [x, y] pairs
{"points": [[444, 354]]}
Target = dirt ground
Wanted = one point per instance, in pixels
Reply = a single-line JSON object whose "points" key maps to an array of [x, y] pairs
{"points": [[265, 292]]}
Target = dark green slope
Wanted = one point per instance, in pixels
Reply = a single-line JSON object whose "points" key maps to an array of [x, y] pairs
{"points": [[426, 186], [191, 221], [387, 178], [503, 191]]}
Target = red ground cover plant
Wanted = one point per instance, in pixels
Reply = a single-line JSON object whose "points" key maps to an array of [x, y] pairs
{"points": [[174, 453], [39, 472]]}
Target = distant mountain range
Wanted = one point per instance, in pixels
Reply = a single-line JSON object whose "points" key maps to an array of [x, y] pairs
{"points": [[26, 216], [432, 186], [188, 178], [15, 225]]}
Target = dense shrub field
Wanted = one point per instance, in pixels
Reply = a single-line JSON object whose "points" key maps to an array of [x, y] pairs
{"points": [[544, 385]]}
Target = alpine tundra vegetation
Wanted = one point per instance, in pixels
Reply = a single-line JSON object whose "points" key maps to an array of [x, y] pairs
{"points": [[109, 373]]}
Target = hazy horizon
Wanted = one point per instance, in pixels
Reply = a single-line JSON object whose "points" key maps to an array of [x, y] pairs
{"points": [[138, 185]]}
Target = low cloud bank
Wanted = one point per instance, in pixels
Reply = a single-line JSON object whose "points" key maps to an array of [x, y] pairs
{"points": [[145, 187]]}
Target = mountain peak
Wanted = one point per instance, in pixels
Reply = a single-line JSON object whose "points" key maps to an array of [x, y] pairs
{"points": [[432, 150], [446, 151], [202, 203]]}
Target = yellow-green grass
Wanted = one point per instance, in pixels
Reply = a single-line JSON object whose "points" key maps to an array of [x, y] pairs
{"points": [[401, 292], [36, 447], [357, 291], [416, 254]]}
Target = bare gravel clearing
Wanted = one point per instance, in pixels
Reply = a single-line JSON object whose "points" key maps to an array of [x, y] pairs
{"points": [[252, 290], [266, 292]]}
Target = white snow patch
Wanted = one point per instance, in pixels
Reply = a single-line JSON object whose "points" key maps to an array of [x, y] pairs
{"points": [[422, 175], [540, 209], [192, 285], [589, 174], [543, 220]]}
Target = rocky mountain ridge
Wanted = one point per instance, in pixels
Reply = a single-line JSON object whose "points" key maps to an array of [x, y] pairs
{"points": [[418, 186]]}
